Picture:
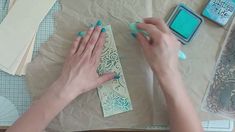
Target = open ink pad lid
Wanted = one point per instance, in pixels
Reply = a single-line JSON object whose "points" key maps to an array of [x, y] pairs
{"points": [[219, 11], [184, 23]]}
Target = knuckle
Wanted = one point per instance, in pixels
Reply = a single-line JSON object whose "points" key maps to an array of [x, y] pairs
{"points": [[84, 56], [160, 23], [100, 44], [98, 48], [160, 20], [161, 37], [151, 26], [72, 48], [82, 46], [93, 40], [97, 29], [143, 25], [89, 33], [77, 39], [74, 44], [102, 37], [71, 52]]}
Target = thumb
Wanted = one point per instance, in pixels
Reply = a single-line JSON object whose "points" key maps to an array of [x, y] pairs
{"points": [[105, 77]]}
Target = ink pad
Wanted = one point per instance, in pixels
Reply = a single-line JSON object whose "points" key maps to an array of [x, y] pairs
{"points": [[184, 23], [219, 11]]}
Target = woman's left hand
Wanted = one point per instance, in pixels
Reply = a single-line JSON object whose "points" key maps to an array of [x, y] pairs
{"points": [[79, 73], [78, 76]]}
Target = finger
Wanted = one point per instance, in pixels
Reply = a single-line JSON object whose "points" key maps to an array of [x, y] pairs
{"points": [[105, 77], [75, 46], [96, 54], [84, 41], [143, 41], [93, 39], [159, 23], [152, 30]]}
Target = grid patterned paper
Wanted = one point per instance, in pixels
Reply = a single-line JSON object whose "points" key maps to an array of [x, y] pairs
{"points": [[14, 88]]}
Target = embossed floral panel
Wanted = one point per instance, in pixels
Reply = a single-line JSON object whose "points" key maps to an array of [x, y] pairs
{"points": [[220, 97]]}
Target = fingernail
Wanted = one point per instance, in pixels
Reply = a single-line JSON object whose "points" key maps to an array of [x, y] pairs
{"points": [[103, 30], [81, 34], [99, 23], [91, 26], [116, 77], [182, 55], [133, 28], [133, 35]]}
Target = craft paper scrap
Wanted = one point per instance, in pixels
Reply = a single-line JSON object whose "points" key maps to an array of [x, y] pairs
{"points": [[18, 29], [114, 95]]}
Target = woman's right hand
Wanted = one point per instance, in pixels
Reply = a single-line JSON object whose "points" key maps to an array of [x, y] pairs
{"points": [[161, 47], [161, 50]]}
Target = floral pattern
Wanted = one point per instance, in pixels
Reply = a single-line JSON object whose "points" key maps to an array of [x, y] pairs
{"points": [[114, 95], [220, 97]]}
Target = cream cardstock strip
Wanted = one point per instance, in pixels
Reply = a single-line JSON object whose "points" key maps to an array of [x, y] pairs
{"points": [[26, 59], [114, 95], [11, 3], [29, 53]]}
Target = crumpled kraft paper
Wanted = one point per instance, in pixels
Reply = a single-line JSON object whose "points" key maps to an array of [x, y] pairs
{"points": [[85, 112]]}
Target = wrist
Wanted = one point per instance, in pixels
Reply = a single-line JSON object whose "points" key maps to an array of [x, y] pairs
{"points": [[166, 72], [169, 76], [171, 82], [58, 91]]}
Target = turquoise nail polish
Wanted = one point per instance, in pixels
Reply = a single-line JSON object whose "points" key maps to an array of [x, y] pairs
{"points": [[78, 33], [182, 55], [81, 34], [99, 23], [138, 22], [116, 77], [103, 30], [133, 35]]}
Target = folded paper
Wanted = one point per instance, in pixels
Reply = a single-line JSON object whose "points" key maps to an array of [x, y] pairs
{"points": [[18, 29], [28, 54]]}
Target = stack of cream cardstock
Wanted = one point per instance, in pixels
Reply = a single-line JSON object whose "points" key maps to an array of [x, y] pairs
{"points": [[17, 33]]}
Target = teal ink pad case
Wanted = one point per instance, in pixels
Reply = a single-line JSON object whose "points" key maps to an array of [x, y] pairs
{"points": [[219, 11], [184, 23]]}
